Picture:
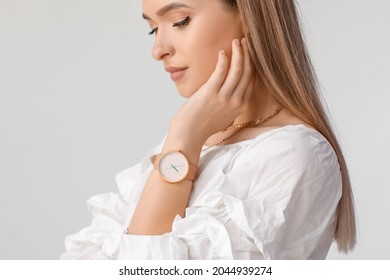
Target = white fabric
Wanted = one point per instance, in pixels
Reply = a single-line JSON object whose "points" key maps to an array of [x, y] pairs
{"points": [[272, 197]]}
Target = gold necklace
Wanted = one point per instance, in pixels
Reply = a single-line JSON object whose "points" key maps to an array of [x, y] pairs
{"points": [[241, 126]]}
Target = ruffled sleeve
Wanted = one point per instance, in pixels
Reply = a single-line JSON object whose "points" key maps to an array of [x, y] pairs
{"points": [[274, 198], [100, 240], [110, 211]]}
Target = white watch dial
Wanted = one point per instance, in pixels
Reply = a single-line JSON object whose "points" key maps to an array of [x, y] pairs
{"points": [[173, 167]]}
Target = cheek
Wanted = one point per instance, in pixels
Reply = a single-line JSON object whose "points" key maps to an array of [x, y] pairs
{"points": [[204, 55], [201, 48]]}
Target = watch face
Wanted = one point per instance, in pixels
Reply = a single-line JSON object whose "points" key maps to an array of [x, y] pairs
{"points": [[173, 167]]}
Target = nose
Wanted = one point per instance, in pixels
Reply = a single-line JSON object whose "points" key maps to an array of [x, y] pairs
{"points": [[162, 47]]}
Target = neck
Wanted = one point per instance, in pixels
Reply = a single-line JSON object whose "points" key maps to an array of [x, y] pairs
{"points": [[261, 104]]}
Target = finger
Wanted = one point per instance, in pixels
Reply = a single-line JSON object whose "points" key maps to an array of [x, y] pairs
{"points": [[249, 90], [218, 76], [241, 89], [235, 71]]}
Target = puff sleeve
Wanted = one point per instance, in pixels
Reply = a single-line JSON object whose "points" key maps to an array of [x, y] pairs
{"points": [[272, 198], [110, 211]]}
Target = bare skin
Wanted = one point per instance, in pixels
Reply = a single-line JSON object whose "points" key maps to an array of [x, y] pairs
{"points": [[220, 87]]}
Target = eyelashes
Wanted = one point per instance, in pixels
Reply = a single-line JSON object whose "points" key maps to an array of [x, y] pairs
{"points": [[179, 25], [153, 31], [182, 23]]}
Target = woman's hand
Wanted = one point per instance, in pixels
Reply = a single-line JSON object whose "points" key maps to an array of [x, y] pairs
{"points": [[211, 109], [219, 101]]}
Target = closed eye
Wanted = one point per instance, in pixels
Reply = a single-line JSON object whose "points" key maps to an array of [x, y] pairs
{"points": [[179, 24], [182, 23], [153, 31]]}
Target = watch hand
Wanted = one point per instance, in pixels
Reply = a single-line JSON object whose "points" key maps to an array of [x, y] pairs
{"points": [[174, 167]]}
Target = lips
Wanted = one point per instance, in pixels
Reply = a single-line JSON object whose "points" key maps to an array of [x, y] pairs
{"points": [[177, 73]]}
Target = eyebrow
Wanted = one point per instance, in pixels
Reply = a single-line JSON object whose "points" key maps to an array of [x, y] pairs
{"points": [[168, 8]]}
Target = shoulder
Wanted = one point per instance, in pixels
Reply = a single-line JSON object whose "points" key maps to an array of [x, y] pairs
{"points": [[291, 146], [294, 159]]}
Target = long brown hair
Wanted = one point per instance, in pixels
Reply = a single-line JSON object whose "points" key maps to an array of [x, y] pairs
{"points": [[281, 60]]}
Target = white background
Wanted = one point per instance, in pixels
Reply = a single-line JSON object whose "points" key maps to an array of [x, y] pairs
{"points": [[81, 99]]}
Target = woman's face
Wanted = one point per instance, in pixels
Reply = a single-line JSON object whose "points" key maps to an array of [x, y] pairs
{"points": [[188, 36]]}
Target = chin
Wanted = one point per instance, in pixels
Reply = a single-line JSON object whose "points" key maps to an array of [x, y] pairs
{"points": [[185, 94], [186, 91]]}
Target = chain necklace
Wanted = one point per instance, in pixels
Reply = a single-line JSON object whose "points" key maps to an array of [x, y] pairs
{"points": [[241, 126]]}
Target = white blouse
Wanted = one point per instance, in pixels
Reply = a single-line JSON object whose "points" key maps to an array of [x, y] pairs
{"points": [[272, 197]]}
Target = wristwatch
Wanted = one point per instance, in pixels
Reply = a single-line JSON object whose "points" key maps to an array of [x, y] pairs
{"points": [[174, 167]]}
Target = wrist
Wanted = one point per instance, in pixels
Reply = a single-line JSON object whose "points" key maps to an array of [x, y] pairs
{"points": [[191, 148], [188, 132]]}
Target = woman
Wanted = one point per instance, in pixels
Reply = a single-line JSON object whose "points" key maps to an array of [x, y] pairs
{"points": [[249, 168]]}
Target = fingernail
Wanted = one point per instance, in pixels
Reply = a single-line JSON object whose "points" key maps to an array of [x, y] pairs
{"points": [[243, 41], [237, 42]]}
